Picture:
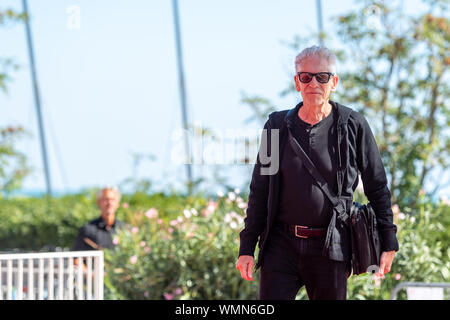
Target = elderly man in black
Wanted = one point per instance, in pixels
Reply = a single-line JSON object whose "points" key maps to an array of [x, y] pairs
{"points": [[288, 211], [97, 234]]}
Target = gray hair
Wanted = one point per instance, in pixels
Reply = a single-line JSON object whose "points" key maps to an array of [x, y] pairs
{"points": [[108, 188], [320, 51]]}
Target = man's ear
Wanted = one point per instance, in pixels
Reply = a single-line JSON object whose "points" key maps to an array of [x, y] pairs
{"points": [[297, 83], [335, 83]]}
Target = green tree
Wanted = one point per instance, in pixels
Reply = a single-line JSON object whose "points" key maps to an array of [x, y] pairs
{"points": [[8, 17], [399, 79], [13, 166], [394, 69]]}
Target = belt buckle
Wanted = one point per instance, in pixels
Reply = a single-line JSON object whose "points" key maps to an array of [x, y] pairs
{"points": [[296, 233]]}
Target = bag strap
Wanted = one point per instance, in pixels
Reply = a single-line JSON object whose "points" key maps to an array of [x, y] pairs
{"points": [[321, 182]]}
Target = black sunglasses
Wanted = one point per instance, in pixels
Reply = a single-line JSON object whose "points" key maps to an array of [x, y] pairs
{"points": [[322, 77]]}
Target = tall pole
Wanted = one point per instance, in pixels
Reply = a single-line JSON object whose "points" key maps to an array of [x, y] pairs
{"points": [[320, 21], [182, 92], [37, 100]]}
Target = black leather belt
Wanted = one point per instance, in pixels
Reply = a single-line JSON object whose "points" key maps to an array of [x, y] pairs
{"points": [[302, 231]]}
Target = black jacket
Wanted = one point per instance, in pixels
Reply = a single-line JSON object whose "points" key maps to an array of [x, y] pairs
{"points": [[97, 232], [357, 151]]}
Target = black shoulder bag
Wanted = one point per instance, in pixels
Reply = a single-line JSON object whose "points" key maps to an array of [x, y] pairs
{"points": [[361, 220]]}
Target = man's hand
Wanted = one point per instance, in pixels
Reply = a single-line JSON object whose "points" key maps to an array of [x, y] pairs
{"points": [[386, 262], [245, 266]]}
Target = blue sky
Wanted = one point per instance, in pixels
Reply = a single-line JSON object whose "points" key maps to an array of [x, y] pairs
{"points": [[110, 87]]}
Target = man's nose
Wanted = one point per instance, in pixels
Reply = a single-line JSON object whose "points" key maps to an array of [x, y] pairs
{"points": [[314, 82]]}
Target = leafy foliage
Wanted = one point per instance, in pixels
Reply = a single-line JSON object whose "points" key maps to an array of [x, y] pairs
{"points": [[42, 224], [399, 79], [179, 247], [8, 17], [394, 70], [13, 165], [194, 255]]}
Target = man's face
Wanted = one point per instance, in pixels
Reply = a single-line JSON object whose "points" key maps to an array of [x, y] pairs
{"points": [[315, 93], [108, 203]]}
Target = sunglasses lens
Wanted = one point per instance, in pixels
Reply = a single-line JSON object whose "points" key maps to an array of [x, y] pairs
{"points": [[323, 77], [305, 77]]}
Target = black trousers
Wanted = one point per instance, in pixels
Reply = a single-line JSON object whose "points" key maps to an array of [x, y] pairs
{"points": [[290, 263]]}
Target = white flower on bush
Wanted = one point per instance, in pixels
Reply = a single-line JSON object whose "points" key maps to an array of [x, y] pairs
{"points": [[237, 216], [242, 205], [151, 213], [212, 206], [445, 200], [231, 196], [412, 219], [395, 209], [187, 213], [237, 191], [115, 240], [220, 194], [180, 219], [233, 219], [401, 216], [194, 212]]}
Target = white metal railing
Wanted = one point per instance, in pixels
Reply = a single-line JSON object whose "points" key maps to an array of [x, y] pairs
{"points": [[421, 290], [52, 276]]}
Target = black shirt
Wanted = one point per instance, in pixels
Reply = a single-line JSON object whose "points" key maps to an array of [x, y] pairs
{"points": [[359, 153], [95, 233], [302, 202]]}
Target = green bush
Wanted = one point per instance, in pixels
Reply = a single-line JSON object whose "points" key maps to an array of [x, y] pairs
{"points": [[41, 224], [189, 250], [192, 256], [35, 224]]}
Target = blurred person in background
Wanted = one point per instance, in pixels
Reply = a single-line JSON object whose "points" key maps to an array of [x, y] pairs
{"points": [[98, 233]]}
